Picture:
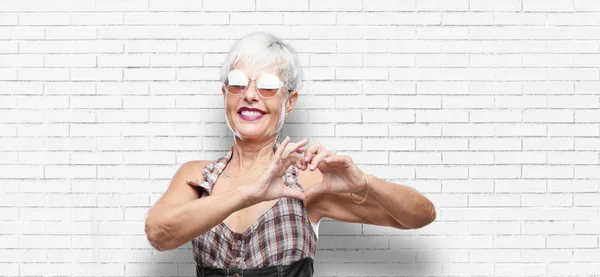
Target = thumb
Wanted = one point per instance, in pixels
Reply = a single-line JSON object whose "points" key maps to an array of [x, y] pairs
{"points": [[294, 193], [314, 190]]}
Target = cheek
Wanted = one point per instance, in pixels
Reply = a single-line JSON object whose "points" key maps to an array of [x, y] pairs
{"points": [[230, 105], [277, 107]]}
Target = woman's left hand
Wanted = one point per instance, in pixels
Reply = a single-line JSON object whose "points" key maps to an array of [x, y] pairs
{"points": [[340, 174]]}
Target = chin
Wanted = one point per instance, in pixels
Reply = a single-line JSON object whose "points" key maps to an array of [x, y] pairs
{"points": [[248, 130]]}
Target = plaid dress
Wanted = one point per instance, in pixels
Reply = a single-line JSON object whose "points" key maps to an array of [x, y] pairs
{"points": [[280, 236]]}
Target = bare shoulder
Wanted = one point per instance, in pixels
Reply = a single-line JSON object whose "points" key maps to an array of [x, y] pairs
{"points": [[194, 168], [179, 191], [307, 179]]}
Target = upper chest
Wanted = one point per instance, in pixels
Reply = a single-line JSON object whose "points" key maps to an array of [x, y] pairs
{"points": [[239, 221]]}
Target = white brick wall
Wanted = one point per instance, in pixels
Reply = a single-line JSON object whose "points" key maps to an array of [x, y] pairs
{"points": [[489, 108]]}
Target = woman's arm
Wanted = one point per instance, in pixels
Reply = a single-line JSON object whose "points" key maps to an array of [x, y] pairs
{"points": [[406, 205], [387, 204], [169, 226], [335, 176], [179, 215]]}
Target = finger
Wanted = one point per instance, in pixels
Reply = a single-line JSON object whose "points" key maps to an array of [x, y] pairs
{"points": [[288, 162], [299, 150], [314, 190], [318, 158], [303, 144], [336, 161], [310, 152], [299, 145], [293, 147], [294, 193], [291, 160], [281, 147], [297, 161]]}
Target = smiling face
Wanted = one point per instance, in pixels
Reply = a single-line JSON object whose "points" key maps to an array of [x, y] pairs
{"points": [[250, 115]]}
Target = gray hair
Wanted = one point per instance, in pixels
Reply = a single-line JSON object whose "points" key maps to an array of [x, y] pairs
{"points": [[264, 50]]}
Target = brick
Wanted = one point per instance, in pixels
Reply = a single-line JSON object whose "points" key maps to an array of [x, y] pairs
{"points": [[417, 102], [8, 19], [467, 158], [84, 60], [71, 33], [43, 130], [359, 130], [230, 5], [467, 102], [440, 60], [389, 144], [525, 19], [452, 5], [387, 116], [310, 18], [520, 157], [540, 171], [96, 18], [460, 18], [537, 200], [389, 5], [548, 6], [334, 116], [490, 5], [441, 116], [177, 5], [467, 130], [495, 172]]}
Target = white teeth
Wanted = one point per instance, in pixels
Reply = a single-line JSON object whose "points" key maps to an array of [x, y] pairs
{"points": [[251, 113]]}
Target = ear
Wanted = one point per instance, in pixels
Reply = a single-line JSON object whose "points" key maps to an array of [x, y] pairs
{"points": [[291, 102]]}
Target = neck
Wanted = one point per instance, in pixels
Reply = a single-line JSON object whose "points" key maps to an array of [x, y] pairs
{"points": [[251, 154]]}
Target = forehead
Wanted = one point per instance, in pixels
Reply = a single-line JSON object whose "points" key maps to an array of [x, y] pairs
{"points": [[256, 71]]}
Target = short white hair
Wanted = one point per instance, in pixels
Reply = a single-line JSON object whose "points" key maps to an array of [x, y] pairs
{"points": [[265, 50]]}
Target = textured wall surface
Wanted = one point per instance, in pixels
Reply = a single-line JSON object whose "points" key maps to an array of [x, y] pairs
{"points": [[489, 108]]}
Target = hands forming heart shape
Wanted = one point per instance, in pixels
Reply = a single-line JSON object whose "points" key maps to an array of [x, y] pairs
{"points": [[340, 174]]}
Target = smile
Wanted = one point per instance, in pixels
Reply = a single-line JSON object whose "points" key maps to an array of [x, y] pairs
{"points": [[250, 115]]}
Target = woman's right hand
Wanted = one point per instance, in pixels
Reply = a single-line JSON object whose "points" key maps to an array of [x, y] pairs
{"points": [[270, 185]]}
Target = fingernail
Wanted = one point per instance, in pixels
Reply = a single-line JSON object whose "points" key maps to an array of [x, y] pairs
{"points": [[312, 167]]}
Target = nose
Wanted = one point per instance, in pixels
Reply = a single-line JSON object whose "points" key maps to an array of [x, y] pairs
{"points": [[251, 93]]}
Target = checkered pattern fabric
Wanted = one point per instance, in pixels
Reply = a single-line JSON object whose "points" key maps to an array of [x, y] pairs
{"points": [[280, 236]]}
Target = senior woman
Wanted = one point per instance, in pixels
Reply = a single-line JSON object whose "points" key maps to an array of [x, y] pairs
{"points": [[255, 211]]}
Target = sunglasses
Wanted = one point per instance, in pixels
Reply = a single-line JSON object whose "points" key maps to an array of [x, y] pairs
{"points": [[267, 85]]}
